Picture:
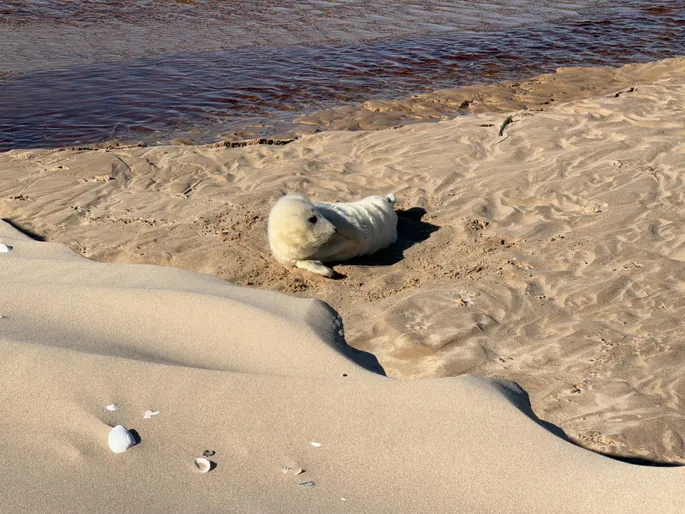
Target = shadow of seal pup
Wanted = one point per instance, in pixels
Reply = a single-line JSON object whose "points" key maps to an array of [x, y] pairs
{"points": [[306, 234]]}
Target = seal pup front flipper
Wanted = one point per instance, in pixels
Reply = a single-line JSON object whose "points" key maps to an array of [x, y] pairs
{"points": [[315, 267]]}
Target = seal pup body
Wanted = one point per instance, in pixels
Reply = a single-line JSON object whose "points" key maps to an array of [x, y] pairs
{"points": [[306, 234]]}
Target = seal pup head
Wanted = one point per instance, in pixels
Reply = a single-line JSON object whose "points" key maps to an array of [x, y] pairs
{"points": [[297, 229]]}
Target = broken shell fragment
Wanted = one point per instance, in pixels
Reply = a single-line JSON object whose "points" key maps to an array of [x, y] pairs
{"points": [[203, 465], [112, 407], [5, 248], [120, 439], [149, 413]]}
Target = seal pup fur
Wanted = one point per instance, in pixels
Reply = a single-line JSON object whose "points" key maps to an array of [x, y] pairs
{"points": [[306, 234]]}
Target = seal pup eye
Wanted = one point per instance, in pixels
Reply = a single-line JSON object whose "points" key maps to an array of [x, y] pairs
{"points": [[312, 220]]}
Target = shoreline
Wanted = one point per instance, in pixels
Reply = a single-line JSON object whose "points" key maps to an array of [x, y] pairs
{"points": [[535, 94], [511, 241], [188, 97]]}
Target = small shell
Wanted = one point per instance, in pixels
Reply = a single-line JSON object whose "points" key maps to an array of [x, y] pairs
{"points": [[120, 439], [149, 413], [307, 484], [112, 407], [299, 472], [5, 248], [203, 465], [208, 453], [315, 444]]}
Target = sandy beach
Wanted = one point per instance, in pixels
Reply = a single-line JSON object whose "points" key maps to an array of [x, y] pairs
{"points": [[265, 384], [540, 242]]}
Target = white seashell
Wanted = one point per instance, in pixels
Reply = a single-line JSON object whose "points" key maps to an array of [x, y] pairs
{"points": [[203, 465], [148, 414], [120, 439], [112, 407], [299, 472], [5, 248], [315, 444]]}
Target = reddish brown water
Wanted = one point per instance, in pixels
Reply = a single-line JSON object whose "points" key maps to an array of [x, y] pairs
{"points": [[202, 94]]}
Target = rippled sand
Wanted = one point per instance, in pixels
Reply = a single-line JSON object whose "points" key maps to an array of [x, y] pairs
{"points": [[265, 385], [544, 247]]}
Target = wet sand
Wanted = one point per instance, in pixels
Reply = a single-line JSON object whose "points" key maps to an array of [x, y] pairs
{"points": [[544, 247], [539, 93]]}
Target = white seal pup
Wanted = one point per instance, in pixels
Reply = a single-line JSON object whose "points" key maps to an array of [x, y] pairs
{"points": [[306, 234]]}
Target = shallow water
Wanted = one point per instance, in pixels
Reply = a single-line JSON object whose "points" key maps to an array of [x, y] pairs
{"points": [[200, 95]]}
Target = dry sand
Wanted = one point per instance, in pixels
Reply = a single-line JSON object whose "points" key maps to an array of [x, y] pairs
{"points": [[544, 247], [257, 377]]}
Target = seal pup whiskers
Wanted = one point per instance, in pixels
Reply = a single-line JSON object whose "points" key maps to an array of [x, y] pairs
{"points": [[306, 234]]}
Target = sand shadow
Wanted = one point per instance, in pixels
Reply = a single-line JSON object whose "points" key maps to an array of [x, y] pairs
{"points": [[321, 311], [520, 398], [24, 230], [362, 358], [410, 231], [639, 461]]}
